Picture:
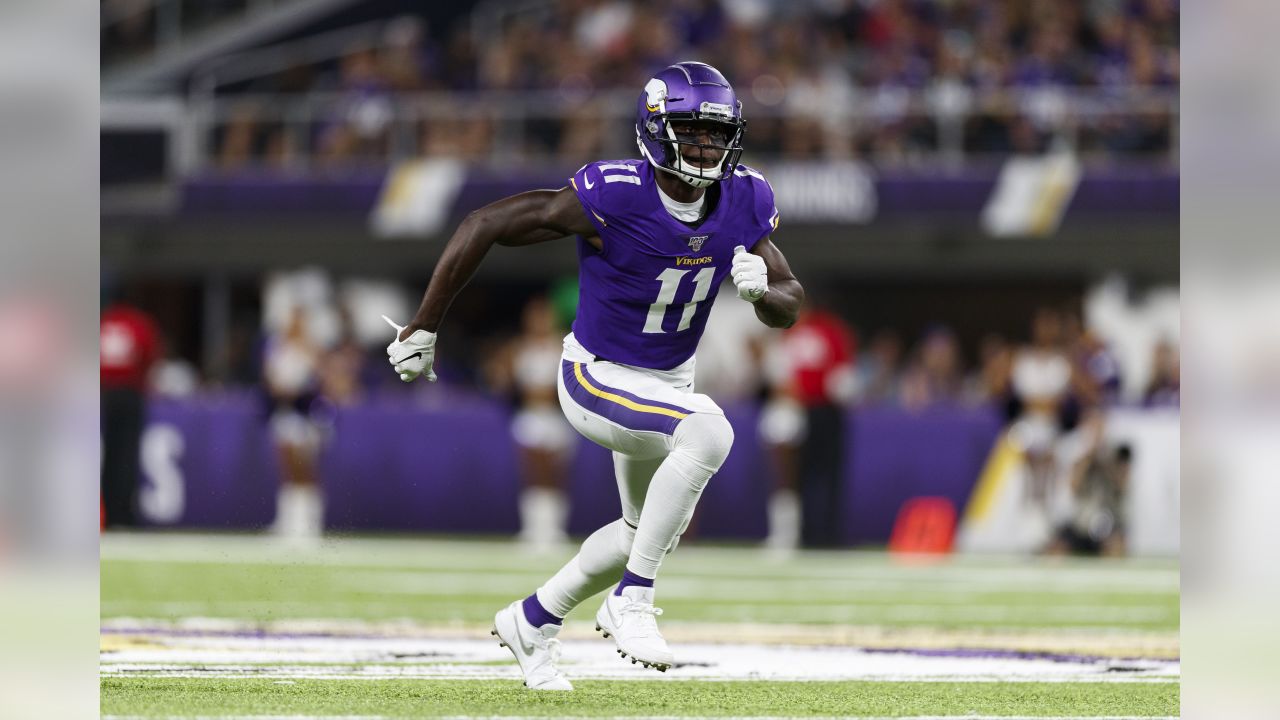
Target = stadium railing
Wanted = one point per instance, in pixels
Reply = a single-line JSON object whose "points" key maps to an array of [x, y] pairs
{"points": [[394, 123]]}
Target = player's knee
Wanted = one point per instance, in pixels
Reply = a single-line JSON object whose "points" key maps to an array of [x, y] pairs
{"points": [[706, 437]]}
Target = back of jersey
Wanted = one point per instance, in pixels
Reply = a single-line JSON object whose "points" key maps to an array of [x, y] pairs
{"points": [[645, 296]]}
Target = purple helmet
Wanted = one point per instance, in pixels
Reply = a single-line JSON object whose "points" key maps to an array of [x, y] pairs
{"points": [[697, 94]]}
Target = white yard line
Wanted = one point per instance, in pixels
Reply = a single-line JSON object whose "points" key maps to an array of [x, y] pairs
{"points": [[1107, 643], [160, 653], [854, 613]]}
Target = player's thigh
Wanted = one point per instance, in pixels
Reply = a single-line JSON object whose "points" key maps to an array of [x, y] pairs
{"points": [[623, 409], [606, 433]]}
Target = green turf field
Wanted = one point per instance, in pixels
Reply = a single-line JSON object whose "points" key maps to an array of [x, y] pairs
{"points": [[227, 626], [401, 698]]}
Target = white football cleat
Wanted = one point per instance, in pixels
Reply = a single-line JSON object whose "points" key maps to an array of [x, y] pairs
{"points": [[630, 619], [536, 649]]}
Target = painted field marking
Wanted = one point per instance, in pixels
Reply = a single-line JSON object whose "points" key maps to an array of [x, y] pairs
{"points": [[255, 653]]}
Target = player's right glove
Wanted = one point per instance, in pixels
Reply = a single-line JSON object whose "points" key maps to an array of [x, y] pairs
{"points": [[412, 356]]}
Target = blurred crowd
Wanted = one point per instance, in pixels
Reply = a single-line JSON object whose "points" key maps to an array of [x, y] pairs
{"points": [[739, 359], [884, 80], [305, 358]]}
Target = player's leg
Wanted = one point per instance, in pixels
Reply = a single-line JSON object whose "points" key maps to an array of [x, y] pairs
{"points": [[603, 556], [638, 452], [699, 447], [529, 627], [638, 407]]}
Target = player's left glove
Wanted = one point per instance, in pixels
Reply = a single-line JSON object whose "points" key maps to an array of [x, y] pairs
{"points": [[412, 356], [749, 275]]}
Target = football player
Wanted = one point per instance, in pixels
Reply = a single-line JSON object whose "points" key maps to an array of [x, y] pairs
{"points": [[656, 236]]}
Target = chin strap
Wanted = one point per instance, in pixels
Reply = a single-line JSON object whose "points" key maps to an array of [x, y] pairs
{"points": [[697, 182], [696, 179]]}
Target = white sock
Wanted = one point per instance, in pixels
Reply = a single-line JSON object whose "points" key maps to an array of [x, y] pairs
{"points": [[597, 566], [543, 514], [299, 511], [702, 442], [784, 520]]}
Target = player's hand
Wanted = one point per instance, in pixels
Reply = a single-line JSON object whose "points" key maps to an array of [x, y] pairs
{"points": [[749, 275], [412, 356]]}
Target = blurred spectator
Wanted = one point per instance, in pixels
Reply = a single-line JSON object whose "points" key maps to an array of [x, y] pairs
{"points": [[935, 376], [358, 127], [290, 377], [783, 427], [130, 347], [1100, 366], [528, 368], [730, 355], [1166, 377], [820, 351], [879, 369], [340, 368], [1041, 383], [991, 381], [239, 138], [1057, 425], [128, 28], [583, 134], [407, 61], [173, 375]]}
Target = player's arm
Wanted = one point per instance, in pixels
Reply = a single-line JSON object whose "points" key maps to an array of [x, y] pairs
{"points": [[778, 302], [524, 219]]}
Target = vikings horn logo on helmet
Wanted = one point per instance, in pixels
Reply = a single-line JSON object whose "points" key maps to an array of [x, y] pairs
{"points": [[655, 93]]}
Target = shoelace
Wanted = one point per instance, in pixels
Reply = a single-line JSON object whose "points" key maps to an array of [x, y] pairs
{"points": [[553, 649], [645, 614], [548, 664]]}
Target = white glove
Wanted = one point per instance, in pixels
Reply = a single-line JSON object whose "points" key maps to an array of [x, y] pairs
{"points": [[749, 275], [412, 356]]}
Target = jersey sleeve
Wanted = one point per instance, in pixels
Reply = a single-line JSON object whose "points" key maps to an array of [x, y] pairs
{"points": [[764, 211], [588, 184]]}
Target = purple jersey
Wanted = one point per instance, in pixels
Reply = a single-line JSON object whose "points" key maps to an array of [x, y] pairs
{"points": [[644, 298]]}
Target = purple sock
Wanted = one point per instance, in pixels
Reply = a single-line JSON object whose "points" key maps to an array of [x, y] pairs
{"points": [[629, 578], [538, 615]]}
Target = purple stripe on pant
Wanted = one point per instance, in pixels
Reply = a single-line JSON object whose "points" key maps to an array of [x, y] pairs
{"points": [[616, 412]]}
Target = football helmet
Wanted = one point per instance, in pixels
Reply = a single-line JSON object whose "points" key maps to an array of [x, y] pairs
{"points": [[697, 99]]}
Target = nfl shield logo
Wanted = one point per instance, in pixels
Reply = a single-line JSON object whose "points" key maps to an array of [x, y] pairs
{"points": [[695, 242]]}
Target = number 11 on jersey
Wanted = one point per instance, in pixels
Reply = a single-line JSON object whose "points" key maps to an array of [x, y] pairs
{"points": [[670, 279]]}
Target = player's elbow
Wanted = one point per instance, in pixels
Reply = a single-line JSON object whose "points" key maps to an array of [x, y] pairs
{"points": [[477, 219], [479, 226], [789, 310]]}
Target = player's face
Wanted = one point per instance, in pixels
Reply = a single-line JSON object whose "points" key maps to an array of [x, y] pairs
{"points": [[702, 143]]}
